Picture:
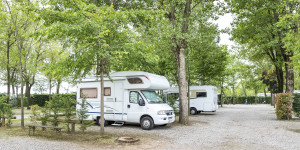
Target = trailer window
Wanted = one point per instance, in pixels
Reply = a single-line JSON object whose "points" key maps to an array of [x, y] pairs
{"points": [[201, 94], [135, 80], [134, 97], [107, 91], [88, 92]]}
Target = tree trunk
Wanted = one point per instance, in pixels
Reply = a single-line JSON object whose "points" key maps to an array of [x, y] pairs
{"points": [[222, 90], [183, 116], [188, 93], [8, 69], [102, 99], [58, 86], [289, 76], [50, 87], [179, 51], [27, 93], [265, 95], [279, 76], [244, 90]]}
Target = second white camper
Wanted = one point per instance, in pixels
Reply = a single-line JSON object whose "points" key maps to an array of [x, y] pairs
{"points": [[129, 96], [202, 98]]}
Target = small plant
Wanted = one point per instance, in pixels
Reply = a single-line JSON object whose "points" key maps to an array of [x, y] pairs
{"points": [[55, 106], [5, 111], [34, 111], [284, 103], [44, 116], [68, 109], [82, 115]]}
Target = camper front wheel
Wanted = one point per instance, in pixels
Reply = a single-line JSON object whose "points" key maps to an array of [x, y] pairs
{"points": [[147, 123], [193, 111], [99, 121]]}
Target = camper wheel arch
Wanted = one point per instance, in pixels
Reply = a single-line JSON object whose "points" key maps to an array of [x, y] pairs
{"points": [[99, 120], [193, 111], [146, 122]]}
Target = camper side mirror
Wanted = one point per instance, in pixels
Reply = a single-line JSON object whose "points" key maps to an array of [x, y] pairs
{"points": [[141, 102]]}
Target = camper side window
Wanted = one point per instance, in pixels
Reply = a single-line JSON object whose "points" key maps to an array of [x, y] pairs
{"points": [[107, 91], [134, 97], [88, 92], [135, 80], [201, 94]]}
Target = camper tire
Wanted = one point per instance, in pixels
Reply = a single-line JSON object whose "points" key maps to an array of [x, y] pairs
{"points": [[99, 121], [147, 123], [193, 111]]}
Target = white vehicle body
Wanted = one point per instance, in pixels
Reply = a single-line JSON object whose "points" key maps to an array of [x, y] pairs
{"points": [[129, 96], [202, 98]]}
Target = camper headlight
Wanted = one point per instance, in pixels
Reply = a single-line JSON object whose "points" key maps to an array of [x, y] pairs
{"points": [[162, 112]]}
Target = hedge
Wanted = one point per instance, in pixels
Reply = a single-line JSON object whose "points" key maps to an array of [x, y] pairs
{"points": [[296, 104], [250, 100], [39, 99]]}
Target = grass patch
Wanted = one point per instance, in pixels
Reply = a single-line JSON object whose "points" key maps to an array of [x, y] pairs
{"points": [[82, 138], [296, 130]]}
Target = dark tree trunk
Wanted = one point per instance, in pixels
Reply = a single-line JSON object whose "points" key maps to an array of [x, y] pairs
{"points": [[280, 81], [289, 73]]}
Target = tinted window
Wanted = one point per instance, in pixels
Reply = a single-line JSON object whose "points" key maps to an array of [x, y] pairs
{"points": [[201, 94], [135, 80]]}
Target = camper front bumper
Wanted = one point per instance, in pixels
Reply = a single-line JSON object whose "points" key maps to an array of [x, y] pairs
{"points": [[164, 119]]}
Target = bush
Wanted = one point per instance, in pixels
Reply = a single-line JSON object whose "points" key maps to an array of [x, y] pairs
{"points": [[284, 103], [34, 111], [250, 100], [5, 110], [82, 115], [296, 105], [68, 109]]}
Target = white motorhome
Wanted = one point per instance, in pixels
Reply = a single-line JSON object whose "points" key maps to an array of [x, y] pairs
{"points": [[129, 97], [202, 98]]}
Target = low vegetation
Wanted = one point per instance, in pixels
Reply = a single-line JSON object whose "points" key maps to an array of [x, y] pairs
{"points": [[284, 106]]}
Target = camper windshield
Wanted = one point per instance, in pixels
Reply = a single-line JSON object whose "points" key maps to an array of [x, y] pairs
{"points": [[152, 97]]}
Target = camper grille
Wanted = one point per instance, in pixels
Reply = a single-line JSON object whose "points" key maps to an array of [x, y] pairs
{"points": [[170, 112]]}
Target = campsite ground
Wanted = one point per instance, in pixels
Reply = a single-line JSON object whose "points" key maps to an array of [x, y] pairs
{"points": [[231, 127]]}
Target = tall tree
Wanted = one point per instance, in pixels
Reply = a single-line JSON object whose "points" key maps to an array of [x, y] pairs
{"points": [[97, 36], [257, 26]]}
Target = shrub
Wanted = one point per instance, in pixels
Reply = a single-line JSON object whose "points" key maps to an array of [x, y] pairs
{"points": [[5, 111], [296, 105], [284, 105], [82, 115], [34, 111], [44, 116], [55, 107], [68, 109]]}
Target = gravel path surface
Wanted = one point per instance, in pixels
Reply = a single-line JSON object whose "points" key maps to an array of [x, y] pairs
{"points": [[231, 127]]}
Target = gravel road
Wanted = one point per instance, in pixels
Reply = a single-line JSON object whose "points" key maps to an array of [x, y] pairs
{"points": [[233, 127]]}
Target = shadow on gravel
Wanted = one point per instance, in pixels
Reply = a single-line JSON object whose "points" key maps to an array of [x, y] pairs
{"points": [[205, 114], [138, 127]]}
